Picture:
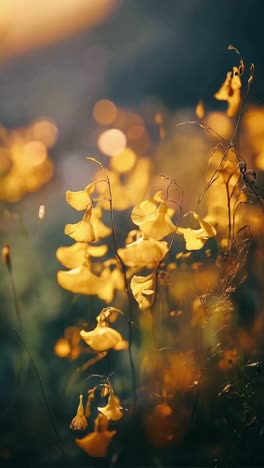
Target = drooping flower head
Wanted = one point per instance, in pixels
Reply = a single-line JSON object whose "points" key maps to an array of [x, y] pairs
{"points": [[79, 422], [103, 337]]}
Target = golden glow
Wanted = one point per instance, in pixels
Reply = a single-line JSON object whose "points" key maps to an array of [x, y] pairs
{"points": [[111, 142], [45, 131], [124, 161], [104, 112], [62, 348], [43, 22], [35, 153]]}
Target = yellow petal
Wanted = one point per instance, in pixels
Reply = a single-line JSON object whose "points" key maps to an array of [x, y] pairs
{"points": [[72, 256], [113, 408], [144, 253], [81, 232], [196, 238], [102, 338], [209, 229], [79, 281], [100, 229], [143, 290], [96, 443], [80, 421], [80, 199], [153, 218]]}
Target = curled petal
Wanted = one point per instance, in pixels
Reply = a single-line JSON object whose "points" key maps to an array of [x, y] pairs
{"points": [[102, 338], [79, 281], [113, 408], [144, 253], [196, 238], [100, 229], [143, 290], [74, 255], [80, 200], [82, 231], [154, 218], [230, 91]]}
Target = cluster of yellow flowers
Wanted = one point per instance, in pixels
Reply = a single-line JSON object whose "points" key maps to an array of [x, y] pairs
{"points": [[139, 267]]}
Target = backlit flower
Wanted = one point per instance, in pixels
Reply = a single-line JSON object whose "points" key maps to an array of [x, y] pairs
{"points": [[144, 253], [82, 231], [154, 217], [76, 254], [230, 91], [79, 280], [96, 443], [100, 229], [80, 200], [102, 338], [111, 281], [113, 408], [143, 290], [79, 422], [196, 238]]}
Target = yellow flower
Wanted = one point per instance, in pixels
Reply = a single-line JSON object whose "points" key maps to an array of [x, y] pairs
{"points": [[230, 91], [111, 281], [143, 290], [74, 255], [79, 280], [96, 443], [113, 408], [79, 422], [127, 190], [82, 231], [144, 253], [196, 238], [100, 229], [103, 338], [80, 200], [154, 217]]}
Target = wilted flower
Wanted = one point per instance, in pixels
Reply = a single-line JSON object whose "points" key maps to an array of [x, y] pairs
{"points": [[79, 422], [154, 217]]}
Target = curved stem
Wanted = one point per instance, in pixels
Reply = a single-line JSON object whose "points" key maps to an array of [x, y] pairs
{"points": [[127, 286]]}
